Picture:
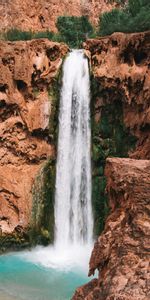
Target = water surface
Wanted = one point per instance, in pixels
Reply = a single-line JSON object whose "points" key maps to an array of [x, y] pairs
{"points": [[42, 274]]}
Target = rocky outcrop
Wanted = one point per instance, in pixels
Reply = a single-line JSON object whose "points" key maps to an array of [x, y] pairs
{"points": [[28, 106], [121, 253], [120, 65], [37, 15], [120, 127], [120, 110]]}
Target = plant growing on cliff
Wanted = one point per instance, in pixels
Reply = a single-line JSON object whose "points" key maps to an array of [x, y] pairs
{"points": [[19, 35], [43, 34], [71, 30], [74, 30], [135, 17]]}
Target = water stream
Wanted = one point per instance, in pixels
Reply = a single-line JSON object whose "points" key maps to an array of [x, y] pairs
{"points": [[53, 273], [73, 212]]}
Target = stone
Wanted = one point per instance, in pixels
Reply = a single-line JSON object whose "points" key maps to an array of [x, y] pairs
{"points": [[42, 14], [121, 253], [120, 65], [26, 109]]}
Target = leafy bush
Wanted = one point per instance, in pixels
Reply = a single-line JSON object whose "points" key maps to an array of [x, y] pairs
{"points": [[135, 17], [74, 30], [46, 34], [117, 1], [71, 30], [113, 21], [17, 35]]}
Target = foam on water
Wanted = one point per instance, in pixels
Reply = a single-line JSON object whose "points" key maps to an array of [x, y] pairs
{"points": [[42, 274], [73, 258]]}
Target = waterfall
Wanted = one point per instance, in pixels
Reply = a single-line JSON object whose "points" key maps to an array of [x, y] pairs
{"points": [[73, 211]]}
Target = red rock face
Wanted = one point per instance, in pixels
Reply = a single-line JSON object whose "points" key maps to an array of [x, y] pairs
{"points": [[120, 64], [37, 15], [27, 70], [121, 253]]}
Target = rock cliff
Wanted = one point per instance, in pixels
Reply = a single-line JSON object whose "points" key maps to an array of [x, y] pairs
{"points": [[121, 127], [28, 73], [121, 253], [37, 15], [120, 65]]}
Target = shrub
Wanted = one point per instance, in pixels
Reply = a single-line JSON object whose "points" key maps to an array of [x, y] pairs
{"points": [[71, 30], [43, 34], [74, 30], [17, 35], [135, 17], [113, 21]]}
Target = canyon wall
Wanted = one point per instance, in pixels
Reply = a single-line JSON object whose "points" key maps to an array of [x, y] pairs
{"points": [[121, 253], [121, 75], [120, 128], [28, 102], [37, 15], [120, 95]]}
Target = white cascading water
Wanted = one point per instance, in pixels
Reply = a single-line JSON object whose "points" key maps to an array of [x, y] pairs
{"points": [[73, 210]]}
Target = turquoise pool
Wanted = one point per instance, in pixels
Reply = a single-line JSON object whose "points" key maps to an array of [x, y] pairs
{"points": [[36, 275]]}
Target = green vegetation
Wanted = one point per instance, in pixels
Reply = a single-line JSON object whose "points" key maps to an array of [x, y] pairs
{"points": [[134, 17], [42, 225], [117, 1], [54, 90], [17, 35], [42, 221], [74, 30], [71, 30], [17, 240], [99, 202], [110, 138]]}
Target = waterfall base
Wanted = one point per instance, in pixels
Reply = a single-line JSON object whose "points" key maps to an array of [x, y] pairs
{"points": [[43, 273]]}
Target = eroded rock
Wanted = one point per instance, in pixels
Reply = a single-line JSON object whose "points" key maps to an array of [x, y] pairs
{"points": [[121, 253], [27, 109], [120, 65], [42, 14]]}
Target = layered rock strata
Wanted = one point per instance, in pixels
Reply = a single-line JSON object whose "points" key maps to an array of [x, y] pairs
{"points": [[28, 73], [121, 253]]}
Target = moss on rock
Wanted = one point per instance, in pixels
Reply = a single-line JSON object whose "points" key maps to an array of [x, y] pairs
{"points": [[14, 241], [42, 224], [110, 138], [42, 221]]}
